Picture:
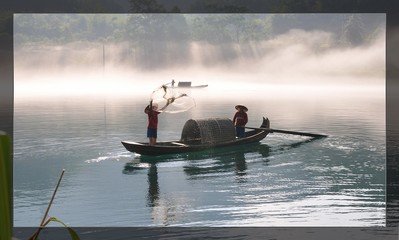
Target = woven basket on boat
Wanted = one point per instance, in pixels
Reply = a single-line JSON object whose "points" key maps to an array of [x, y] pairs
{"points": [[208, 131]]}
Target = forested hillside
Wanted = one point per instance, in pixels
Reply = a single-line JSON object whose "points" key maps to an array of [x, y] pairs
{"points": [[161, 40], [352, 29]]}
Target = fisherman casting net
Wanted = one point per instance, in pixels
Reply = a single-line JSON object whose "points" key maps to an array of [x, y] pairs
{"points": [[170, 100]]}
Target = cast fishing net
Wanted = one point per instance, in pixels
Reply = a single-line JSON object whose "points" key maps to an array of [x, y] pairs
{"points": [[170, 100]]}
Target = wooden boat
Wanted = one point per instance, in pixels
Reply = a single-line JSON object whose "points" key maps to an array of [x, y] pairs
{"points": [[196, 137], [188, 85]]}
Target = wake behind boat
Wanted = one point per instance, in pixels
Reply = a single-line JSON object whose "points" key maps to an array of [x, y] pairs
{"points": [[199, 135]]}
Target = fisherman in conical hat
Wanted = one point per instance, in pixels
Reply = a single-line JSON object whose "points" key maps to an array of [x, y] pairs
{"points": [[240, 120]]}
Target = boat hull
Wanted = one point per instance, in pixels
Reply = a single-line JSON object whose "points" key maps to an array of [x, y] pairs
{"points": [[176, 147]]}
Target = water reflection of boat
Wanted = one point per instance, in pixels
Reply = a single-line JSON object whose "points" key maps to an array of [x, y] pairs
{"points": [[233, 158], [227, 159], [213, 153], [202, 134], [228, 152], [224, 160]]}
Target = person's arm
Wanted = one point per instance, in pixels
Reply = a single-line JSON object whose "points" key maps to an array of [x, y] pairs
{"points": [[164, 87], [148, 108], [169, 101], [181, 95], [234, 118]]}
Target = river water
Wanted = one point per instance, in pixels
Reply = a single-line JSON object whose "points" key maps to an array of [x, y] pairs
{"points": [[285, 180]]}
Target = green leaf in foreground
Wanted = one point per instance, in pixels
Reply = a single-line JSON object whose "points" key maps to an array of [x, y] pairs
{"points": [[5, 186], [72, 232]]}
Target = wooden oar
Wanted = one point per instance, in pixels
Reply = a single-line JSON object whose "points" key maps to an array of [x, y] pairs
{"points": [[271, 130]]}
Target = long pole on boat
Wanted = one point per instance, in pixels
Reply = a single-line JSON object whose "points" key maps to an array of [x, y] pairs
{"points": [[271, 130]]}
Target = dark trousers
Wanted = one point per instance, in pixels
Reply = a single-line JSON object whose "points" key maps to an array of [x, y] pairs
{"points": [[240, 132]]}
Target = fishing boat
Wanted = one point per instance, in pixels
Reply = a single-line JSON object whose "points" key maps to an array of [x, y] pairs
{"points": [[201, 134], [188, 85]]}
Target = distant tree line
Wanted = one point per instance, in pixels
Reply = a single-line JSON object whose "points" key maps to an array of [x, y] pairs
{"points": [[140, 29], [187, 6], [164, 39]]}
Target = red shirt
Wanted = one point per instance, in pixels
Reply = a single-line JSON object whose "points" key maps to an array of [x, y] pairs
{"points": [[240, 119], [152, 118]]}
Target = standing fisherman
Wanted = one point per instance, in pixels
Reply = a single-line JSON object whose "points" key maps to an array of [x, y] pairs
{"points": [[152, 112], [240, 119]]}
